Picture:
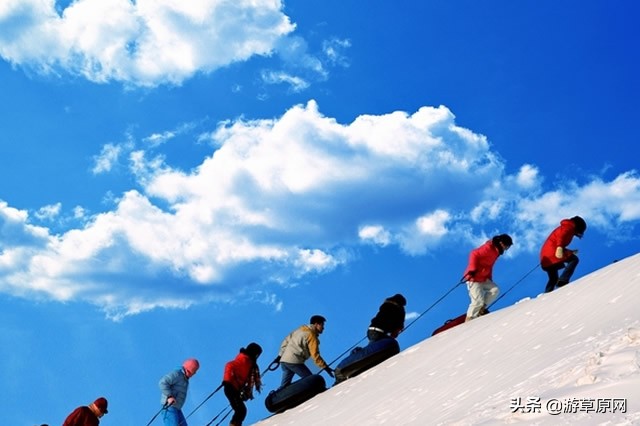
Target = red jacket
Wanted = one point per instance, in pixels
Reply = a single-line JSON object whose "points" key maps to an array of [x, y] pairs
{"points": [[238, 371], [82, 416], [481, 261], [560, 237]]}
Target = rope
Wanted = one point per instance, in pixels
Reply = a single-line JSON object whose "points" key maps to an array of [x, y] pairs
{"points": [[515, 284], [201, 404], [348, 350], [156, 415], [434, 304], [219, 414]]}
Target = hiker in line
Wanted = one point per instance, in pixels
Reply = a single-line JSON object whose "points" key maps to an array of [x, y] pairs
{"points": [[240, 377], [554, 254], [300, 345], [174, 386], [479, 274], [389, 321], [88, 415]]}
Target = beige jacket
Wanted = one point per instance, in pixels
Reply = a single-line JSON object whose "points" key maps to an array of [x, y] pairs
{"points": [[301, 345]]}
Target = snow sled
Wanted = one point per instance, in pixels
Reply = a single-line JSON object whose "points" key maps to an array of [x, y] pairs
{"points": [[450, 323], [362, 359], [456, 321], [295, 394]]}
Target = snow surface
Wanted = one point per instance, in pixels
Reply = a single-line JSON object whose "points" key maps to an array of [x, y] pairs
{"points": [[577, 348]]}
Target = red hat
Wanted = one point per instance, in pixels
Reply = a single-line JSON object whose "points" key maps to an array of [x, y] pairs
{"points": [[191, 366], [101, 404]]}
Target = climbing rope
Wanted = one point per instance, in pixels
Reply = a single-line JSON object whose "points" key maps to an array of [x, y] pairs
{"points": [[157, 414], [219, 414], [434, 304], [201, 404], [515, 284]]}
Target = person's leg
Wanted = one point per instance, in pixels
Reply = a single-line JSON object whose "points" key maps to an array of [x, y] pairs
{"points": [[570, 267], [477, 300], [170, 416], [237, 404], [181, 420], [552, 272], [491, 291], [287, 374], [301, 370]]}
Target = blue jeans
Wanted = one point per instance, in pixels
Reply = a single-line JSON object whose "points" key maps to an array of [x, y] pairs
{"points": [[173, 417], [289, 369], [552, 271]]}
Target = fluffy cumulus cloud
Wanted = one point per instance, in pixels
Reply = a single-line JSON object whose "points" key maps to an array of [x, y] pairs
{"points": [[281, 199], [146, 42]]}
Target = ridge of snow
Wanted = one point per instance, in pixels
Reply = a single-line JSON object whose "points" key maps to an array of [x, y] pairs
{"points": [[578, 346]]}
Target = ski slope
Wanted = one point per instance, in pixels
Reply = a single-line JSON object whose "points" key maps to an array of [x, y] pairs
{"points": [[567, 357]]}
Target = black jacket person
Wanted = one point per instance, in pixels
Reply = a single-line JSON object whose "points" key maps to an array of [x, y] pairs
{"points": [[389, 321]]}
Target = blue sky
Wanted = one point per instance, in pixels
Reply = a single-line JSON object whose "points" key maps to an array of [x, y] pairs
{"points": [[182, 180]]}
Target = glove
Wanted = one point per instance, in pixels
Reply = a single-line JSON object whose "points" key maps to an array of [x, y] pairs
{"points": [[559, 252], [329, 371], [575, 252], [277, 359]]}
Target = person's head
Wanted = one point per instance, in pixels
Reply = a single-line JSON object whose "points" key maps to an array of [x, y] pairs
{"points": [[502, 242], [190, 367], [253, 350], [317, 322], [579, 226], [99, 406], [398, 299]]}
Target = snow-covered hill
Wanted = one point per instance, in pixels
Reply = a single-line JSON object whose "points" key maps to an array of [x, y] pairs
{"points": [[568, 357]]}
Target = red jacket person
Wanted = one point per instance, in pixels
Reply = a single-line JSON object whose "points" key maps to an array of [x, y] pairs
{"points": [[479, 274], [554, 254], [88, 415]]}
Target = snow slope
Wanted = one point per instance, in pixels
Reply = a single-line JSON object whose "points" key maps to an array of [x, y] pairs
{"points": [[576, 350]]}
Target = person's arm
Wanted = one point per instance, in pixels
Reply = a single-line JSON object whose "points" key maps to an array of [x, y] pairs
{"points": [[314, 350], [166, 387]]}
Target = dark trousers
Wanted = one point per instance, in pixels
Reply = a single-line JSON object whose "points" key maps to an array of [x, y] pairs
{"points": [[289, 370], [552, 271], [237, 404]]}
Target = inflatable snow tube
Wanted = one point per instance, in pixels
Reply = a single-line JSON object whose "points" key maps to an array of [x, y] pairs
{"points": [[362, 359], [295, 394]]}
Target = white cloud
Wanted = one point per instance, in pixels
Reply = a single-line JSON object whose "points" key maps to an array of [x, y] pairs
{"points": [[298, 84], [289, 196], [527, 177], [334, 51], [145, 43], [375, 234], [107, 158], [48, 212]]}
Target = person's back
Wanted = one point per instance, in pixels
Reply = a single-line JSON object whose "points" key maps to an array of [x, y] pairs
{"points": [[389, 321], [81, 416], [88, 415]]}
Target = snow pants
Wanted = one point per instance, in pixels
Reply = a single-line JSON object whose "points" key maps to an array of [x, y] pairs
{"points": [[481, 295]]}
